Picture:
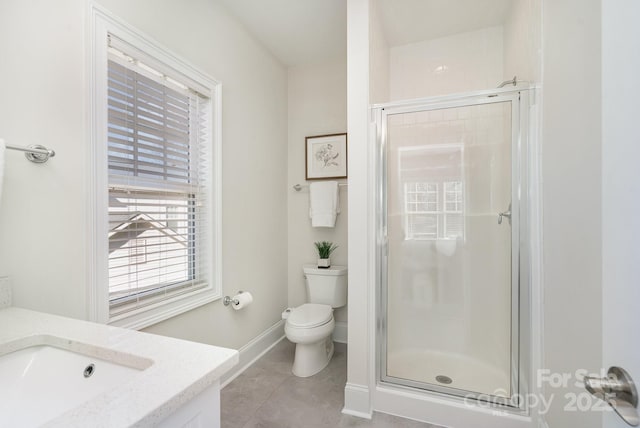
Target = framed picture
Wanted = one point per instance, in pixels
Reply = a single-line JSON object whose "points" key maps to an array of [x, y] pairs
{"points": [[326, 156]]}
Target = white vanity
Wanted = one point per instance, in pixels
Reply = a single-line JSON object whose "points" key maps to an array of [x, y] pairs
{"points": [[61, 372]]}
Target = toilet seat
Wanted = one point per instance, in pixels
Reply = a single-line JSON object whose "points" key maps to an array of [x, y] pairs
{"points": [[310, 315]]}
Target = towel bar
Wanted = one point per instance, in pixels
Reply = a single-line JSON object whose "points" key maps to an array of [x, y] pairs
{"points": [[299, 187], [35, 153]]}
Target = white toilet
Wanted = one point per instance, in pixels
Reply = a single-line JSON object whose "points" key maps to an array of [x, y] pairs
{"points": [[310, 326]]}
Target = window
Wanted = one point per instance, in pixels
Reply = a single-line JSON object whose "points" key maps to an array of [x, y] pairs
{"points": [[432, 177], [421, 208], [137, 252], [156, 150], [433, 210], [453, 212]]}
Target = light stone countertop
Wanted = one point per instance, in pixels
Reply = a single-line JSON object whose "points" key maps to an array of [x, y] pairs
{"points": [[177, 370]]}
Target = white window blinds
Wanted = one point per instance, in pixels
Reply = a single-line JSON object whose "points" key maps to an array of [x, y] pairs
{"points": [[158, 136]]}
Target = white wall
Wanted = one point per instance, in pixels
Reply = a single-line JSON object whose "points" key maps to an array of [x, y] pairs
{"points": [[620, 190], [42, 220], [379, 58], [359, 369], [522, 42], [472, 61], [571, 151], [43, 224], [317, 106]]}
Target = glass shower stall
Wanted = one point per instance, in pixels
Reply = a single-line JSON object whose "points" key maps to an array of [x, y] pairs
{"points": [[452, 282]]}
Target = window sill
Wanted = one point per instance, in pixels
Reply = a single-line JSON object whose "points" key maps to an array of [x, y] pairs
{"points": [[162, 311]]}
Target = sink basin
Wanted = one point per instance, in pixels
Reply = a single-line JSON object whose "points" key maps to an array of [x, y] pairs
{"points": [[137, 379], [43, 380]]}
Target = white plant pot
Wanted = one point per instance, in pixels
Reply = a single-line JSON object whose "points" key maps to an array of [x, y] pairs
{"points": [[324, 263]]}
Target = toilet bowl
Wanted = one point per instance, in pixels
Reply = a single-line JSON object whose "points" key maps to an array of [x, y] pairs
{"points": [[310, 327]]}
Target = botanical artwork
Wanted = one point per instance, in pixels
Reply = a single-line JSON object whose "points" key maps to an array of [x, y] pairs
{"points": [[326, 156]]}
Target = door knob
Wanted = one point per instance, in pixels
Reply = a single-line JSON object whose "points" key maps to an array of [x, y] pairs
{"points": [[619, 391]]}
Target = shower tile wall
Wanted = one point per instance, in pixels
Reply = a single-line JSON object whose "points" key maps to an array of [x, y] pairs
{"points": [[463, 62], [449, 297]]}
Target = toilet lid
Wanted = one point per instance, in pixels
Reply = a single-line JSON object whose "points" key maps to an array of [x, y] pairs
{"points": [[310, 315]]}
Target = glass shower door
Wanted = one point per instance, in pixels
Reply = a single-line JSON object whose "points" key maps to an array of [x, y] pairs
{"points": [[450, 285]]}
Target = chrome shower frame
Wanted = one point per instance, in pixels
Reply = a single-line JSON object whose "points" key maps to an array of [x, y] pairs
{"points": [[520, 370]]}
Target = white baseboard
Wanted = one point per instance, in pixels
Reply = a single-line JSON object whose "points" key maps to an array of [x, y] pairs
{"points": [[255, 349], [357, 401], [340, 332], [443, 411]]}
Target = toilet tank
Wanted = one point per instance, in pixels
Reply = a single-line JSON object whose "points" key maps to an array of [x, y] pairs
{"points": [[326, 286]]}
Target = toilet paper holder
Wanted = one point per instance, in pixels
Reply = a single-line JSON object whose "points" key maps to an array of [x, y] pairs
{"points": [[229, 300]]}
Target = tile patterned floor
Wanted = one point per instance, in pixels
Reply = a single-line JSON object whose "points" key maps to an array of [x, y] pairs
{"points": [[267, 395]]}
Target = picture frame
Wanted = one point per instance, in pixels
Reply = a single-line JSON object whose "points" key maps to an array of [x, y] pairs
{"points": [[326, 156]]}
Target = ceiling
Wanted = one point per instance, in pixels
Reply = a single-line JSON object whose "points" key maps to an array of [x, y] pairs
{"points": [[314, 31], [296, 31]]}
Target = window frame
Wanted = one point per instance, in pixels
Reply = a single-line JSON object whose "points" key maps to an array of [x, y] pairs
{"points": [[410, 186], [101, 24], [439, 214]]}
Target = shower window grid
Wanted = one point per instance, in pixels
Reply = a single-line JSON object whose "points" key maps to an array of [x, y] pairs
{"points": [[434, 210]]}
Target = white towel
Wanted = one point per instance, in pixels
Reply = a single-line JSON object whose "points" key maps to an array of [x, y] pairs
{"points": [[324, 203], [2, 149]]}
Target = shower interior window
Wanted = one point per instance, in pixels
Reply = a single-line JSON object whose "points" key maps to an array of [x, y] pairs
{"points": [[433, 198]]}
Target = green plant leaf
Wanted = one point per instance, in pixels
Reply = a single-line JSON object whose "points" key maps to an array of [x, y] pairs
{"points": [[325, 248]]}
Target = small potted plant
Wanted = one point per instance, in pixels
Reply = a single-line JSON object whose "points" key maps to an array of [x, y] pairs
{"points": [[325, 249]]}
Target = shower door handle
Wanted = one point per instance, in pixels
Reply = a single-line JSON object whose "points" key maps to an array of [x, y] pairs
{"points": [[506, 214]]}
